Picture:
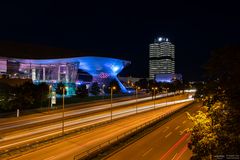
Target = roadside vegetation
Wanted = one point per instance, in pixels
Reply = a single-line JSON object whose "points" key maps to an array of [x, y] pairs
{"points": [[216, 130]]}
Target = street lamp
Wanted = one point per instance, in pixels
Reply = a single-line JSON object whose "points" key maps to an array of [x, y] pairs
{"points": [[49, 95], [112, 88], [103, 86], [167, 95], [154, 94], [137, 88], [64, 88]]}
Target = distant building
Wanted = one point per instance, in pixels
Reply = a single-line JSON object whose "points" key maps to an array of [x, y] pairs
{"points": [[161, 57], [168, 78]]}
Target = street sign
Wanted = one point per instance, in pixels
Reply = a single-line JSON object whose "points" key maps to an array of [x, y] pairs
{"points": [[53, 101]]}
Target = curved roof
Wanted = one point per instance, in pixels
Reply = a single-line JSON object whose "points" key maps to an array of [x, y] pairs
{"points": [[90, 64]]}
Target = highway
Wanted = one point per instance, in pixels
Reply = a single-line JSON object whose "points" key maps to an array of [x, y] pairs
{"points": [[168, 142], [13, 138], [74, 145], [30, 120]]}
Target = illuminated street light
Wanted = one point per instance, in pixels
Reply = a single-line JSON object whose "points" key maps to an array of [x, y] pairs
{"points": [[137, 88], [154, 94], [112, 88], [64, 88]]}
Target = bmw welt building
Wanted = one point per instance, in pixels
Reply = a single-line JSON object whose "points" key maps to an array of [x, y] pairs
{"points": [[65, 70]]}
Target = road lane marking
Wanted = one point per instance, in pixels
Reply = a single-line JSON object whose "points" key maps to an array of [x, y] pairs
{"points": [[184, 122], [182, 139], [177, 127], [168, 134], [165, 129], [144, 154], [50, 158], [174, 156], [182, 131]]}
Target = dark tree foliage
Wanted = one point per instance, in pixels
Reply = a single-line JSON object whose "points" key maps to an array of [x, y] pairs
{"points": [[151, 84], [41, 94], [142, 83], [5, 96], [224, 69], [221, 95], [59, 89], [24, 96], [95, 89], [113, 83], [82, 91]]}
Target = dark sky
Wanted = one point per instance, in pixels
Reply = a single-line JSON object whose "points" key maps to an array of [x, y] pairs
{"points": [[125, 29]]}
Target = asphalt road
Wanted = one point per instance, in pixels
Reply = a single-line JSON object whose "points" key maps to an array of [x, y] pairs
{"points": [[27, 134], [14, 122], [168, 142], [69, 147]]}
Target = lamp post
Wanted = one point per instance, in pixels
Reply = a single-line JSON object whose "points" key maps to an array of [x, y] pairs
{"points": [[64, 88], [154, 94], [167, 95], [103, 86], [137, 97], [49, 95], [112, 88]]}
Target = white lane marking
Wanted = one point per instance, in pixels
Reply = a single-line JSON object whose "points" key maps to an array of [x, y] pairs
{"points": [[184, 122], [174, 156], [49, 158], [177, 127], [168, 134], [145, 153], [181, 132], [166, 129]]}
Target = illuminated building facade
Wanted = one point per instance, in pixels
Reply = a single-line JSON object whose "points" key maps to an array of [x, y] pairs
{"points": [[65, 70], [167, 78], [161, 57]]}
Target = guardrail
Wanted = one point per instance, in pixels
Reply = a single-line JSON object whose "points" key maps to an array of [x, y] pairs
{"points": [[89, 154]]}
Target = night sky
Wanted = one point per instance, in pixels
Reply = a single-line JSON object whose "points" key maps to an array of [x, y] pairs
{"points": [[125, 30]]}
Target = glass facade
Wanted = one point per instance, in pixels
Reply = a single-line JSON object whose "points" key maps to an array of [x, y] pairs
{"points": [[63, 70], [161, 57]]}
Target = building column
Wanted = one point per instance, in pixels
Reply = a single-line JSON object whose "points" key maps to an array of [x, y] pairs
{"points": [[44, 74], [67, 74], [33, 74], [58, 73]]}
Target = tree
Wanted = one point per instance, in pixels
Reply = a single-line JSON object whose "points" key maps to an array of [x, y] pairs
{"points": [[59, 89], [216, 131], [40, 94], [22, 96], [5, 96], [113, 83], [95, 89], [82, 91], [142, 83], [223, 70]]}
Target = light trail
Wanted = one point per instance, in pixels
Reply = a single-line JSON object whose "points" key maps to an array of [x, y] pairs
{"points": [[18, 138]]}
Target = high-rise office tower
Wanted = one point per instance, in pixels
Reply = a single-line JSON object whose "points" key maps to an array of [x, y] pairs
{"points": [[161, 57]]}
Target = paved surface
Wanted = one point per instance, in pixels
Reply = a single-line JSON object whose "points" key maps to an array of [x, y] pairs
{"points": [[12, 136], [13, 122], [168, 142], [66, 149]]}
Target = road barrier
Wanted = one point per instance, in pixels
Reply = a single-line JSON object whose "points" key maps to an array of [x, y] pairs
{"points": [[91, 153]]}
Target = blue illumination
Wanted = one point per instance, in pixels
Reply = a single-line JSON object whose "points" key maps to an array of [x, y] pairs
{"points": [[100, 68]]}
